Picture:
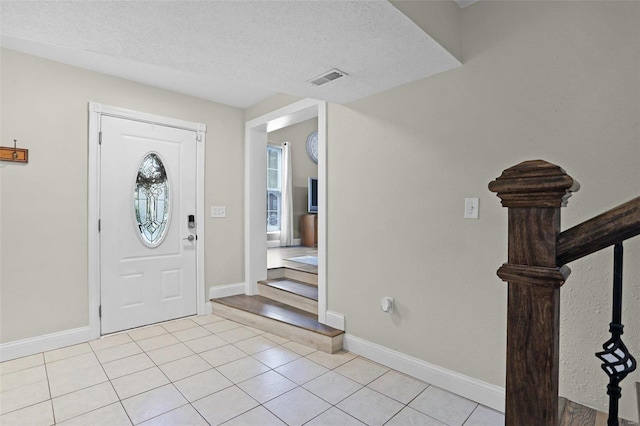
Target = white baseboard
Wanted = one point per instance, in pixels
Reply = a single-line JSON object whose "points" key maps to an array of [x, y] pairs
{"points": [[47, 342], [484, 393], [335, 320], [226, 290], [206, 309]]}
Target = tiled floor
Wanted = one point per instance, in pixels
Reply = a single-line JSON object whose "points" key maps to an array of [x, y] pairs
{"points": [[208, 370]]}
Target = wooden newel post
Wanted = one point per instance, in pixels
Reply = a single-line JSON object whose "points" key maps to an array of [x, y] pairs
{"points": [[533, 191]]}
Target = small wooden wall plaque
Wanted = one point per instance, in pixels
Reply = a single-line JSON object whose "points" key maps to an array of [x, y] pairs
{"points": [[18, 155]]}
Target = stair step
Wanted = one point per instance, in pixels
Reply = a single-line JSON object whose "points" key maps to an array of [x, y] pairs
{"points": [[294, 293], [306, 277], [292, 286], [280, 319]]}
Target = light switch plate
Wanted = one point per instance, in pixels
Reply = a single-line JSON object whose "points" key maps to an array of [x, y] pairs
{"points": [[218, 211], [470, 208]]}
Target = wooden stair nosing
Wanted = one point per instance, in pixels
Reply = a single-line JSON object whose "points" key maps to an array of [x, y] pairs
{"points": [[310, 278], [299, 288], [268, 308]]}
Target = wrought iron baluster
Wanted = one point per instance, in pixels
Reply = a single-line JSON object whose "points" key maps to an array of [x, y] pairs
{"points": [[617, 361]]}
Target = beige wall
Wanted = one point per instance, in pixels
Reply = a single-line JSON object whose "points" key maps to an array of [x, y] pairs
{"points": [[44, 203], [553, 80], [302, 165]]}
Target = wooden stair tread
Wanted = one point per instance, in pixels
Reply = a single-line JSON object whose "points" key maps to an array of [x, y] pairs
{"points": [[309, 291], [275, 310]]}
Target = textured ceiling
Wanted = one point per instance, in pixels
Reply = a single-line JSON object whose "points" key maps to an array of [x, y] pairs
{"points": [[234, 52]]}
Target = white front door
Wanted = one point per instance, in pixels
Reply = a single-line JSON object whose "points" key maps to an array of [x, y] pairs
{"points": [[147, 223]]}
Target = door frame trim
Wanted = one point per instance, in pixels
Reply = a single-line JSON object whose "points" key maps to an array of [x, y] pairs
{"points": [[96, 111], [255, 183]]}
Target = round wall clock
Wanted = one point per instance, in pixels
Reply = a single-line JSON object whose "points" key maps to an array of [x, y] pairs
{"points": [[312, 146]]}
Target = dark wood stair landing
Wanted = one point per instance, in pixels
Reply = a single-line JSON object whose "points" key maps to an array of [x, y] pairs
{"points": [[280, 319]]}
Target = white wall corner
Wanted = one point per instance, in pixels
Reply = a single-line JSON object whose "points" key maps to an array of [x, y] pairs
{"points": [[335, 320], [46, 342], [226, 290], [206, 309], [476, 390]]}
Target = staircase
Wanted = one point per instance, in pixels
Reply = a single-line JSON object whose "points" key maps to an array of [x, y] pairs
{"points": [[287, 306]]}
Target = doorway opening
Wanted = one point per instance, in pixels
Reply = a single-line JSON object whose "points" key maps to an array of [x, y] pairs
{"points": [[256, 139]]}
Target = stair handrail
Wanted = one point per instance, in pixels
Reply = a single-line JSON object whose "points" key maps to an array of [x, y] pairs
{"points": [[611, 227], [534, 191]]}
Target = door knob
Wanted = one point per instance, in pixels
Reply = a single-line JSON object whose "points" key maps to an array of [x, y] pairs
{"points": [[190, 238]]}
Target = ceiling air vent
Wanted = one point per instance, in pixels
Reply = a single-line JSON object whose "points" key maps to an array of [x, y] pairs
{"points": [[328, 76]]}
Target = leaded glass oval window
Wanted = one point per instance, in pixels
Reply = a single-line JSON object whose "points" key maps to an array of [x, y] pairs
{"points": [[151, 200]]}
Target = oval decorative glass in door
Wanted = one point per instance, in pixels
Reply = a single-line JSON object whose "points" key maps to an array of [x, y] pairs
{"points": [[151, 200]]}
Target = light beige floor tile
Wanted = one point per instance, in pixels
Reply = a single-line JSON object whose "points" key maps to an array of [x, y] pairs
{"points": [[255, 344], [109, 341], [301, 370], [224, 405], [23, 396], [147, 332], [157, 342], [222, 326], [223, 355], [124, 366], [202, 384], [298, 348], [139, 382], [444, 406], [267, 386], [153, 403], [332, 387], [170, 353], [67, 383], [205, 343], [409, 416], [17, 364], [40, 414], [259, 416], [361, 370], [22, 378], [71, 365], [118, 352], [236, 335], [370, 407], [255, 330], [335, 417], [191, 333], [181, 324], [67, 352], [206, 319], [330, 361], [83, 401], [242, 369], [279, 340], [483, 416], [184, 367], [111, 415], [275, 357], [297, 407], [183, 416], [398, 386]]}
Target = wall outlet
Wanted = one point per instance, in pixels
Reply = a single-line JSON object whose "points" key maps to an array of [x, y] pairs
{"points": [[471, 208], [218, 211]]}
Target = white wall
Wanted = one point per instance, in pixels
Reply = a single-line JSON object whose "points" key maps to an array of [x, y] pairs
{"points": [[302, 165], [44, 203], [558, 81]]}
